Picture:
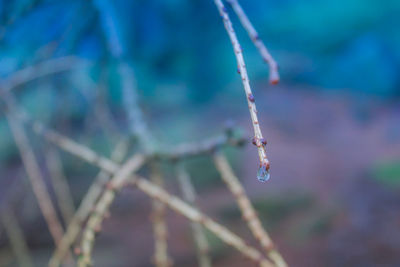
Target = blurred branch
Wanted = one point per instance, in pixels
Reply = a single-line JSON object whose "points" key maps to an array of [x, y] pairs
{"points": [[160, 230], [87, 205], [189, 195], [106, 199], [60, 184], [45, 68], [258, 137], [255, 38], [33, 171], [16, 237], [195, 215], [102, 206], [247, 209]]}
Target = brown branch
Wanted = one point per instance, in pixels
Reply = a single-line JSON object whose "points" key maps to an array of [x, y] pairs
{"points": [[258, 137], [182, 207], [189, 195], [247, 209], [60, 184], [33, 172], [187, 150], [16, 237], [195, 215], [45, 68], [160, 230], [86, 206], [102, 206], [255, 38]]}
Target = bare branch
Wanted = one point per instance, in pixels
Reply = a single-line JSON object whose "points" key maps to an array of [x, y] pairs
{"points": [[258, 137], [42, 69], [247, 209], [102, 206], [189, 195], [195, 215], [86, 206], [60, 184], [33, 172], [160, 230], [255, 38]]}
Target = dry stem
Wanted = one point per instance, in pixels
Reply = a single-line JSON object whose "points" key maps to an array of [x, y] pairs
{"points": [[34, 173], [195, 215], [103, 205], [255, 38], [60, 184], [86, 206], [189, 195], [246, 84], [39, 70], [160, 230], [247, 209]]}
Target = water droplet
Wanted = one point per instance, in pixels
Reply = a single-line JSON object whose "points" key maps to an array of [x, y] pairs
{"points": [[263, 174]]}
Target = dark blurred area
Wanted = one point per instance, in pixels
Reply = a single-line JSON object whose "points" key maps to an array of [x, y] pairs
{"points": [[332, 124]]}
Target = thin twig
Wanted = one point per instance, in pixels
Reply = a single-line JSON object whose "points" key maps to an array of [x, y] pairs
{"points": [[86, 206], [255, 38], [204, 147], [189, 195], [60, 184], [160, 230], [16, 237], [103, 204], [33, 172], [45, 68], [247, 209], [195, 215], [258, 137]]}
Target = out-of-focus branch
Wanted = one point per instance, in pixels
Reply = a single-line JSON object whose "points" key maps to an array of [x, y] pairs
{"points": [[195, 215], [86, 206], [60, 184], [259, 141], [160, 230], [189, 195], [184, 151], [247, 209], [16, 237], [42, 69], [33, 171], [255, 38], [102, 206]]}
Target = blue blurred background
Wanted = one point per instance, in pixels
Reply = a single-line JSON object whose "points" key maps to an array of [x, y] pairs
{"points": [[332, 124]]}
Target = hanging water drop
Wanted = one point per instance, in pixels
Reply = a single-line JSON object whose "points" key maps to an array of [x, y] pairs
{"points": [[263, 174]]}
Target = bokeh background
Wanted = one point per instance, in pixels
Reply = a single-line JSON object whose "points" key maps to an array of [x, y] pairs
{"points": [[332, 124]]}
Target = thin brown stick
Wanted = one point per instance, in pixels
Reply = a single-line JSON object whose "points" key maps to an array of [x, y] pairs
{"points": [[112, 167], [204, 147], [189, 195], [255, 38], [160, 230], [91, 157], [247, 209], [195, 215], [45, 68], [258, 137], [103, 204], [60, 184], [36, 178], [86, 206], [17, 238]]}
